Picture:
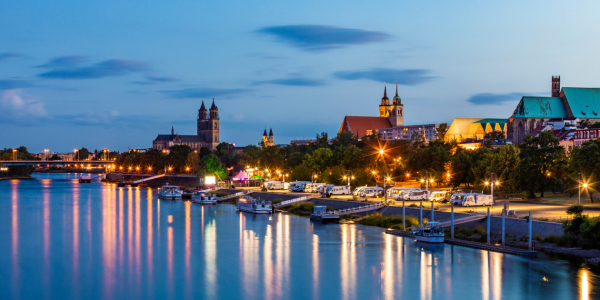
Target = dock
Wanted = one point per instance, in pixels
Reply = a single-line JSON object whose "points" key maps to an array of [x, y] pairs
{"points": [[476, 245]]}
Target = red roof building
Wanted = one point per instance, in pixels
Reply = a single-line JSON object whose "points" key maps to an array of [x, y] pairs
{"points": [[360, 125]]}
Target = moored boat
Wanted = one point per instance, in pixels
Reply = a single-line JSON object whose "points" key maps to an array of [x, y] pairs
{"points": [[169, 192], [255, 206], [430, 233], [204, 198]]}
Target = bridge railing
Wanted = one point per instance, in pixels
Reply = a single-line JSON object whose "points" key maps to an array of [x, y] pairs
{"points": [[292, 201], [344, 211]]}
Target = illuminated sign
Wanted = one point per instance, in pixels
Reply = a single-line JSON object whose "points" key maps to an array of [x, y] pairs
{"points": [[209, 180]]}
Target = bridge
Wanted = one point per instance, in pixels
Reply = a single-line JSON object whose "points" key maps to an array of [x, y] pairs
{"points": [[11, 163]]}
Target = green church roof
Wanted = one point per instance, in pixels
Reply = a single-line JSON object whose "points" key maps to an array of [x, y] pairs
{"points": [[541, 107], [492, 121], [584, 102]]}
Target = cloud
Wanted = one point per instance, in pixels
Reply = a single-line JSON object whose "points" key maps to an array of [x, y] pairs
{"points": [[321, 37], [16, 105], [64, 61], [497, 99], [7, 55], [404, 77], [154, 80], [108, 68], [10, 84], [297, 81], [161, 79], [203, 92]]}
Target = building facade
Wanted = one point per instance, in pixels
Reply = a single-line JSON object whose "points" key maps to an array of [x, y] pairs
{"points": [[427, 132], [567, 103], [207, 134]]}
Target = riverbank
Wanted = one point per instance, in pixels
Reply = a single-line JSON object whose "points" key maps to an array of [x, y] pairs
{"points": [[17, 178]]}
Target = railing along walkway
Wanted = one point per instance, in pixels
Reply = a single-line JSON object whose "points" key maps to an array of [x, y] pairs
{"points": [[293, 201], [357, 209]]}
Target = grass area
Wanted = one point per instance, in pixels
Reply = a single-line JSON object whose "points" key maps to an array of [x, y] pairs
{"points": [[394, 222], [302, 209]]}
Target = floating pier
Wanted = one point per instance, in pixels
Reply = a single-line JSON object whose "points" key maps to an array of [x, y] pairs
{"points": [[476, 245]]}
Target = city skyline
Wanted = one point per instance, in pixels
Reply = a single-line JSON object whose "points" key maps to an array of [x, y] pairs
{"points": [[114, 75]]}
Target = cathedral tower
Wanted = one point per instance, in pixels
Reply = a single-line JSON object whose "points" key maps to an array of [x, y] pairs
{"points": [[555, 86], [213, 130], [271, 143], [202, 121], [385, 107], [396, 114]]}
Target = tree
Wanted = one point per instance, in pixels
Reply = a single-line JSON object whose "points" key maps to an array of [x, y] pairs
{"points": [[539, 157], [54, 157], [193, 162], [504, 165], [211, 165], [345, 138], [586, 160], [461, 165], [83, 153], [250, 156], [440, 132], [319, 160], [492, 136], [322, 141]]}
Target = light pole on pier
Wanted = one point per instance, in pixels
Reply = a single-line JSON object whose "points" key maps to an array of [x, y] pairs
{"points": [[491, 183]]}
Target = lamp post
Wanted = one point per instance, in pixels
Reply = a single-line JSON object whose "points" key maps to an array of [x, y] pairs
{"points": [[579, 189], [76, 151], [491, 183], [15, 153], [349, 177], [46, 151], [427, 180]]}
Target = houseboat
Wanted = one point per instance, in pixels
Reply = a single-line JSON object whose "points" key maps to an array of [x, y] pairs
{"points": [[204, 198], [169, 192], [255, 206], [430, 233]]}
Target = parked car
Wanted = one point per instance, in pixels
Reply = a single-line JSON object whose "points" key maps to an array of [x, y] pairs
{"points": [[417, 195], [337, 190], [372, 192], [477, 200], [439, 196]]}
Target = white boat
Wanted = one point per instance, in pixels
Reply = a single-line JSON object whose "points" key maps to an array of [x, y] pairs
{"points": [[169, 192], [430, 233], [255, 206], [204, 198]]}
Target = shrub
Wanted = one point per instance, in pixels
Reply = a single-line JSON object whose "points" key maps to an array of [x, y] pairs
{"points": [[463, 231], [575, 210], [537, 237], [276, 201], [305, 208], [551, 239], [479, 230], [348, 217], [568, 240]]}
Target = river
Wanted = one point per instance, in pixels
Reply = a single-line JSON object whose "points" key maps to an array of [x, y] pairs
{"points": [[65, 240]]}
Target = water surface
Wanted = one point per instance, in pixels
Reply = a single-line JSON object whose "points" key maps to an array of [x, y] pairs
{"points": [[65, 240]]}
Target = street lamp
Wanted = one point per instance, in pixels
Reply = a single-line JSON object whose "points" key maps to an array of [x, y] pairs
{"points": [[427, 180], [490, 180], [46, 151], [15, 152]]}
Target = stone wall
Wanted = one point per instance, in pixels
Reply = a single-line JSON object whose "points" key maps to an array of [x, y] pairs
{"points": [[180, 180]]}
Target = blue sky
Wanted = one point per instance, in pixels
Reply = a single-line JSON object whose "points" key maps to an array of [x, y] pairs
{"points": [[115, 74]]}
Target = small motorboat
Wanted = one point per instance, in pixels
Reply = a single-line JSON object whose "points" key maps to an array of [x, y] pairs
{"points": [[169, 192], [255, 206], [204, 197], [85, 178], [430, 233]]}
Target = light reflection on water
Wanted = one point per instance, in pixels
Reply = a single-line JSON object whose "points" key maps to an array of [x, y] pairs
{"points": [[87, 241]]}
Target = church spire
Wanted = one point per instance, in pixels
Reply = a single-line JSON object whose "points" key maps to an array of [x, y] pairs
{"points": [[385, 100], [172, 130], [203, 107], [397, 99], [265, 134], [270, 131]]}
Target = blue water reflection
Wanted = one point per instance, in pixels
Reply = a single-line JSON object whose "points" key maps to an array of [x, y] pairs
{"points": [[68, 240]]}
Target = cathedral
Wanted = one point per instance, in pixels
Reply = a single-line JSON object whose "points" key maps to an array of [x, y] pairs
{"points": [[391, 114], [207, 134], [268, 140]]}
